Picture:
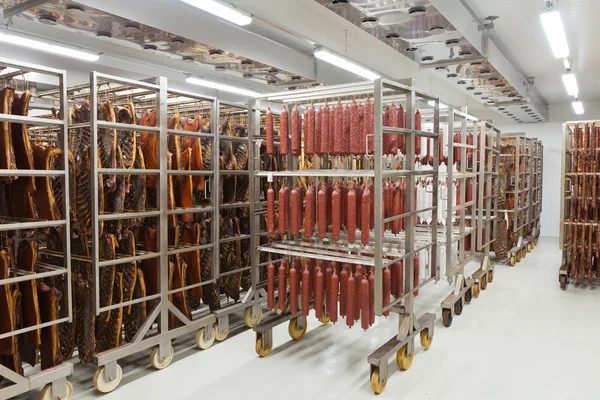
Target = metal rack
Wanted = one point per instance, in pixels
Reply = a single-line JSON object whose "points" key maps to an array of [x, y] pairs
{"points": [[536, 193], [384, 248], [57, 269]]}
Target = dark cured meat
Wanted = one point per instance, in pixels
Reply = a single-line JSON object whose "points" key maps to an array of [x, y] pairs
{"points": [[126, 247], [358, 274], [362, 136], [269, 131], [7, 152], [344, 273], [336, 200], [366, 216], [135, 198], [319, 290], [325, 129], [296, 132], [401, 124], [284, 143], [26, 261], [295, 207], [396, 209], [351, 216], [185, 192], [20, 141], [322, 214], [332, 297], [386, 288], [49, 306], [7, 306], [327, 282], [346, 131], [134, 319], [293, 289], [126, 139], [371, 298], [270, 286], [338, 129], [107, 250], [387, 138], [270, 210], [109, 332], [309, 132], [306, 290], [351, 295], [282, 211], [318, 130], [150, 147], [309, 220], [45, 201], [355, 132], [370, 125], [393, 138], [107, 142], [281, 285]]}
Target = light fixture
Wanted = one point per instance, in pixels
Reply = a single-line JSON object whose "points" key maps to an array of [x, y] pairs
{"points": [[432, 104], [341, 62], [222, 10], [46, 47], [571, 84], [221, 86], [567, 64], [578, 107], [555, 33]]}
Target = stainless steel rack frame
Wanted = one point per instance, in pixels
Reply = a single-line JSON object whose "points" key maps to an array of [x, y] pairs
{"points": [[536, 195], [54, 379], [402, 247]]}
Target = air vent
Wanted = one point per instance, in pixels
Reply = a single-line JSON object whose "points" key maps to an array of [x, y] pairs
{"points": [[471, 88], [273, 71], [104, 34], [131, 26], [462, 82], [248, 76], [452, 42], [417, 11], [510, 114], [178, 39], [427, 58], [412, 49], [296, 77], [506, 91], [214, 52], [75, 7], [485, 71], [525, 108], [246, 62], [512, 95], [188, 59], [149, 47], [437, 30], [477, 93], [340, 2], [370, 22], [47, 20], [440, 68], [464, 53], [271, 81], [219, 68], [500, 85], [494, 79], [451, 75], [476, 63], [501, 108], [392, 36]]}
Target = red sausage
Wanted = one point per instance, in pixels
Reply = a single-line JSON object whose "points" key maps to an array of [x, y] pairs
{"points": [[344, 201], [332, 120], [318, 130], [354, 129], [332, 297], [364, 303], [296, 132], [283, 207], [344, 289], [269, 131], [293, 289], [470, 150], [387, 285], [351, 293], [322, 216], [310, 263], [319, 287], [328, 192], [396, 205], [370, 124], [362, 136], [305, 290], [298, 266], [338, 129], [295, 200], [346, 131], [270, 286], [284, 146], [418, 127], [358, 189], [309, 220], [358, 273], [372, 206], [393, 138], [442, 159], [394, 278], [366, 216], [325, 111], [386, 203], [336, 211], [399, 267], [401, 124], [457, 150], [281, 287], [351, 217], [371, 298], [327, 277], [402, 205], [270, 210], [309, 131], [387, 138]]}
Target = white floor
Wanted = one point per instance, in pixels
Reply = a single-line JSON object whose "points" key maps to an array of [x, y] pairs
{"points": [[523, 338]]}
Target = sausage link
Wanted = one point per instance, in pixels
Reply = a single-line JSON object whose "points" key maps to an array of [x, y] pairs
{"points": [[358, 189], [416, 272], [282, 211], [293, 289], [346, 130], [319, 287], [361, 134], [298, 266], [332, 296], [364, 303], [401, 124], [328, 192], [366, 216], [371, 297], [325, 116], [328, 274], [281, 285], [441, 148], [396, 210], [318, 130], [399, 278], [344, 202], [270, 286], [351, 294], [418, 127], [354, 129], [295, 201], [305, 290], [393, 137], [309, 220], [296, 132], [470, 150], [309, 131], [310, 263], [358, 274], [386, 136], [457, 150], [270, 210], [386, 203], [351, 216], [336, 211], [344, 273], [269, 131], [322, 216], [332, 119], [338, 129], [387, 286], [372, 206], [394, 278], [402, 205], [370, 125], [284, 144]]}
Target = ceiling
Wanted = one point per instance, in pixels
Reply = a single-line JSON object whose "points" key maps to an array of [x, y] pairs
{"points": [[519, 32]]}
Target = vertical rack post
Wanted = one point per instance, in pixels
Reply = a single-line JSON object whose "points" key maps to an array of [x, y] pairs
{"points": [[94, 190], [378, 154]]}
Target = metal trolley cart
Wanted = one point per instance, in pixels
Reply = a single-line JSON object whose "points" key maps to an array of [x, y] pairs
{"points": [[579, 228], [35, 290], [536, 195], [381, 250]]}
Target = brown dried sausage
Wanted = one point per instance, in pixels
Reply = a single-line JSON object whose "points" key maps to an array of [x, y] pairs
{"points": [[396, 206], [361, 134], [418, 127], [358, 189], [270, 210], [296, 132], [305, 290], [351, 294], [344, 273], [401, 124], [387, 287], [309, 220], [319, 287], [354, 129], [327, 275], [393, 138], [344, 201], [351, 217], [372, 206], [366, 216], [358, 273], [293, 289], [281, 286], [283, 208], [309, 131], [346, 131], [325, 116], [338, 129], [318, 130], [322, 215], [331, 130], [371, 297], [399, 266], [332, 297], [270, 286], [284, 144], [370, 125], [269, 131], [328, 192], [364, 303], [336, 211], [295, 205]]}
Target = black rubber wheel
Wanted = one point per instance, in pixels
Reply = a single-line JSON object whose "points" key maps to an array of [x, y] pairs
{"points": [[563, 282], [469, 296], [447, 318], [458, 307]]}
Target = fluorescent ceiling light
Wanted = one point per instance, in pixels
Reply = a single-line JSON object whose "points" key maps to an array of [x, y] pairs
{"points": [[555, 33], [221, 86], [578, 107], [432, 104], [571, 84], [222, 10], [48, 48], [345, 64], [567, 63]]}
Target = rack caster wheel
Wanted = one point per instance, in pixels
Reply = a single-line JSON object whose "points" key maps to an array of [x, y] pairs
{"points": [[563, 282], [249, 320], [221, 336], [425, 341], [523, 252], [446, 318], [490, 276], [157, 363], [512, 261], [277, 310], [202, 342], [476, 289], [458, 307], [529, 247], [468, 296], [376, 385], [46, 393], [260, 351], [325, 318], [404, 362], [293, 330], [518, 256], [102, 384], [483, 282]]}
